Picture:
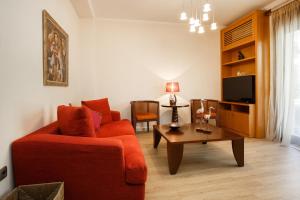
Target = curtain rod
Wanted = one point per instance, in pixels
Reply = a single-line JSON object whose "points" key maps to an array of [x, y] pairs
{"points": [[276, 7]]}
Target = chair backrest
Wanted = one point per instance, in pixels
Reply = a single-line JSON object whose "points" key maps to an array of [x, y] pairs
{"points": [[144, 107], [207, 103]]}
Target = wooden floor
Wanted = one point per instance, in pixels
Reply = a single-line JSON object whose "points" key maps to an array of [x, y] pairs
{"points": [[209, 172]]}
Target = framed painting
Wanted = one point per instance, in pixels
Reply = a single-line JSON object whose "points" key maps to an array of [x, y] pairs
{"points": [[55, 53]]}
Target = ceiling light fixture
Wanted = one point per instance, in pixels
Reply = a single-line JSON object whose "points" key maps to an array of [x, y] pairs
{"points": [[192, 19], [196, 23], [213, 25], [205, 17], [183, 14], [192, 29], [206, 7], [201, 29]]}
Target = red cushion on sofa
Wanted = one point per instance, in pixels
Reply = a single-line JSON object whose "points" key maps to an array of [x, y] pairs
{"points": [[101, 106], [97, 118], [75, 121]]}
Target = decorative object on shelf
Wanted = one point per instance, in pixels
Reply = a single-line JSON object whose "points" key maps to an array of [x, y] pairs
{"points": [[55, 52], [241, 55], [199, 18], [239, 73], [172, 87]]}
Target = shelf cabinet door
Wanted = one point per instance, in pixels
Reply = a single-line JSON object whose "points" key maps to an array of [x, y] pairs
{"points": [[225, 118], [240, 122]]}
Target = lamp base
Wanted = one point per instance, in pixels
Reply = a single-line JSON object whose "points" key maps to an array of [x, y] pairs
{"points": [[174, 125]]}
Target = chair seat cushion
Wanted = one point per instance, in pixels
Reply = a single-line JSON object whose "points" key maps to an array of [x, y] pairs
{"points": [[135, 165], [116, 128], [146, 116]]}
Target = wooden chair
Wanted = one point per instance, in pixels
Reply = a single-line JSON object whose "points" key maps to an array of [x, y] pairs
{"points": [[144, 111], [207, 103]]}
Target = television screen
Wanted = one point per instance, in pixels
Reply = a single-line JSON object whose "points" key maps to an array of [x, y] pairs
{"points": [[239, 89]]}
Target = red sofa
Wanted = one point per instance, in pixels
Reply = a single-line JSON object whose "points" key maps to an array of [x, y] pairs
{"points": [[110, 166]]}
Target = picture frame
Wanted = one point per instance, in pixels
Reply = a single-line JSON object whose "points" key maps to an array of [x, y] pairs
{"points": [[55, 53]]}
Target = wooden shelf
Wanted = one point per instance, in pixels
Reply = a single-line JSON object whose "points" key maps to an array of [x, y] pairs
{"points": [[238, 76], [243, 44], [239, 61], [236, 103]]}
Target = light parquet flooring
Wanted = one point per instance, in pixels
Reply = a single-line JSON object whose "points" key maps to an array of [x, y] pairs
{"points": [[209, 172]]}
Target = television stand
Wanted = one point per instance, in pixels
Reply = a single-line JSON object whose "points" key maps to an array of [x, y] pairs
{"points": [[239, 117]]}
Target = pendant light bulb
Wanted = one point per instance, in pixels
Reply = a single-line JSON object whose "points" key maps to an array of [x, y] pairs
{"points": [[205, 17], [201, 30], [213, 26], [206, 7], [192, 29], [192, 21], [183, 16], [196, 22]]}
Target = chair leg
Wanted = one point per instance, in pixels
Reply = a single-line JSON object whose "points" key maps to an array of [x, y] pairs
{"points": [[148, 126], [134, 125]]}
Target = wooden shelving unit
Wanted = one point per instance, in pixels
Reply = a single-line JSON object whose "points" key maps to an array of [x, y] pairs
{"points": [[239, 76], [236, 62], [248, 35]]}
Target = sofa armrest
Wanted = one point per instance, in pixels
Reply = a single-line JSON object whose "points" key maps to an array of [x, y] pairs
{"points": [[116, 116], [84, 164]]}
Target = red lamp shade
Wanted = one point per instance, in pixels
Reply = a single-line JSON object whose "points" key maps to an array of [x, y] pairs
{"points": [[172, 87]]}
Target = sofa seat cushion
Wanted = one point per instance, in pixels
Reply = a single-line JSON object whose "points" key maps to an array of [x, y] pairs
{"points": [[116, 128], [135, 165], [146, 116]]}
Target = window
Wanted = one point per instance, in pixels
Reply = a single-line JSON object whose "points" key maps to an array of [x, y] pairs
{"points": [[297, 83]]}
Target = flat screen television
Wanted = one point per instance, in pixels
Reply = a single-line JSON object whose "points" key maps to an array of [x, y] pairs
{"points": [[239, 89]]}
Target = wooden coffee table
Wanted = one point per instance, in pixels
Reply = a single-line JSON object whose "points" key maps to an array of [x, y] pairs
{"points": [[188, 134]]}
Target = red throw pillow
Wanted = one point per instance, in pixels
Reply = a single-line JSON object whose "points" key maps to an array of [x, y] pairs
{"points": [[75, 121], [97, 118], [101, 106]]}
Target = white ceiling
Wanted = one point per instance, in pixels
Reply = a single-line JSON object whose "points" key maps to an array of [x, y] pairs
{"points": [[226, 11]]}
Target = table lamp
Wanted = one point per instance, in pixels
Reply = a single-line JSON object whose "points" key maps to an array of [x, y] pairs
{"points": [[172, 87]]}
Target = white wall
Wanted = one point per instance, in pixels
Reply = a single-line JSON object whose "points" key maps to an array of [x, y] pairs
{"points": [[25, 103], [132, 60]]}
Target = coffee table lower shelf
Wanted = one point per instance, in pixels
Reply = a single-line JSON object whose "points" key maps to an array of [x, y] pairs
{"points": [[188, 134]]}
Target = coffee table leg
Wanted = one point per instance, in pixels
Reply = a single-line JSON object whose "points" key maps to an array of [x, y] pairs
{"points": [[175, 152], [156, 138], [238, 151]]}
